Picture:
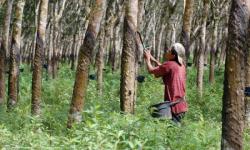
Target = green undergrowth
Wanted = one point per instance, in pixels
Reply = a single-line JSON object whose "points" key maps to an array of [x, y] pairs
{"points": [[104, 127]]}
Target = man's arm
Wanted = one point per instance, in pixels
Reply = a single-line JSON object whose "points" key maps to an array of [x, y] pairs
{"points": [[148, 58], [149, 65], [156, 61], [157, 71]]}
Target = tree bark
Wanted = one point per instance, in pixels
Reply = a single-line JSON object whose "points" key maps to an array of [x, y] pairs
{"points": [[200, 67], [186, 28], [140, 22], [13, 88], [85, 57], [213, 51], [234, 83], [37, 63], [118, 38], [128, 60], [100, 62], [58, 12], [115, 46], [159, 44], [2, 73], [247, 84], [4, 48], [73, 52], [223, 52], [173, 34]]}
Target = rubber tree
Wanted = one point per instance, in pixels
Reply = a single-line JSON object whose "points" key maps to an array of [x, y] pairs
{"points": [[186, 27], [117, 36], [234, 82], [128, 59], [4, 48], [107, 25], [15, 55], [247, 84], [200, 67], [100, 62], [58, 13], [37, 62], [214, 45], [218, 12], [84, 60]]}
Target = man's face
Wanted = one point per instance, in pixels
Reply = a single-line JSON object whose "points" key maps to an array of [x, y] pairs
{"points": [[168, 55]]}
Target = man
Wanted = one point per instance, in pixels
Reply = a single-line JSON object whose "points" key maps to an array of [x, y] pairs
{"points": [[173, 73]]}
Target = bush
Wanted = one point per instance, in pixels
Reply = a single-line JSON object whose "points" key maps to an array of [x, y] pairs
{"points": [[104, 127]]}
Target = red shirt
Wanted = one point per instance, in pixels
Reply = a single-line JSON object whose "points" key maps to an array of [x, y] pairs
{"points": [[174, 78]]}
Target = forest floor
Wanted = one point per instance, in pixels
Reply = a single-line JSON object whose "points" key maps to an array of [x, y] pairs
{"points": [[104, 127]]}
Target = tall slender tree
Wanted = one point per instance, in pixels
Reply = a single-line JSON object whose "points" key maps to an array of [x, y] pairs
{"points": [[128, 60], [234, 83], [85, 57], [117, 36], [214, 45], [247, 84], [37, 63], [100, 62], [186, 27], [13, 88], [107, 26], [59, 7], [4, 48], [200, 67]]}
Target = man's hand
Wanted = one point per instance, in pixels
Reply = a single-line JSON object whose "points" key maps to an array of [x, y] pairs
{"points": [[147, 55]]}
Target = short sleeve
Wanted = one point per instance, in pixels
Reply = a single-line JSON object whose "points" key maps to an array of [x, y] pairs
{"points": [[160, 70]]}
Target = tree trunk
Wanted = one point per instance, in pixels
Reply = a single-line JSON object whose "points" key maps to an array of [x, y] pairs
{"points": [[213, 52], [219, 44], [2, 72], [200, 67], [140, 23], [4, 48], [247, 84], [54, 59], [35, 36], [50, 52], [234, 83], [118, 38], [154, 36], [73, 52], [141, 12], [58, 12], [115, 46], [173, 34], [196, 52], [128, 60], [222, 56], [159, 44], [85, 57], [13, 88], [100, 63], [207, 50], [186, 28], [37, 63]]}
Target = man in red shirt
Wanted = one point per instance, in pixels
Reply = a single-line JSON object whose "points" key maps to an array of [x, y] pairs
{"points": [[173, 73]]}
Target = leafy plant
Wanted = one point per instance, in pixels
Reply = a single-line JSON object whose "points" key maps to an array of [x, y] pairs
{"points": [[104, 127]]}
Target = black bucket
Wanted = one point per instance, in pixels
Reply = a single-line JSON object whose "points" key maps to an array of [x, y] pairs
{"points": [[161, 110], [247, 91]]}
